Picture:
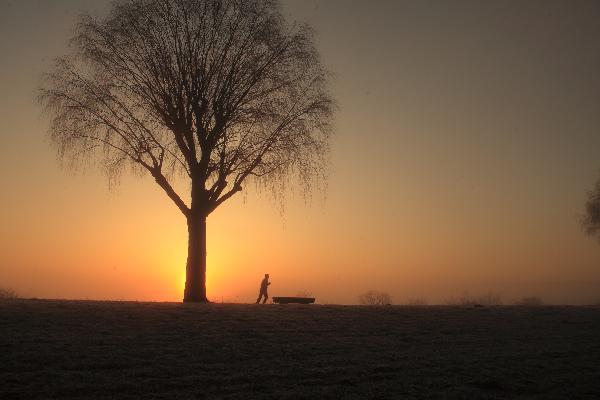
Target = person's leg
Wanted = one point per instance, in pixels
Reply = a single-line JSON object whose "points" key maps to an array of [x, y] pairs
{"points": [[259, 297], [266, 297]]}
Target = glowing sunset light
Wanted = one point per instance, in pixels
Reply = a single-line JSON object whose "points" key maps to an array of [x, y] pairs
{"points": [[256, 199]]}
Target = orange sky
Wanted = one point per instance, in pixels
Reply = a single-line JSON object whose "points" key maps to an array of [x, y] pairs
{"points": [[466, 140]]}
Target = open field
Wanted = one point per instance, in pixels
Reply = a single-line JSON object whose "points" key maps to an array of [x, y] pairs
{"points": [[118, 350]]}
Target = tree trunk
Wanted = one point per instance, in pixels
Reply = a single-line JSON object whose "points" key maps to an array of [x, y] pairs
{"points": [[195, 271]]}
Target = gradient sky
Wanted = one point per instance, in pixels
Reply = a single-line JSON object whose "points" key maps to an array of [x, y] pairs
{"points": [[467, 138]]}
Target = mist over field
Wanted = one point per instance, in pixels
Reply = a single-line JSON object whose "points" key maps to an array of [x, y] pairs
{"points": [[126, 350]]}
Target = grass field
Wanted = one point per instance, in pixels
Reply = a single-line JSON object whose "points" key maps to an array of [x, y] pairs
{"points": [[118, 350]]}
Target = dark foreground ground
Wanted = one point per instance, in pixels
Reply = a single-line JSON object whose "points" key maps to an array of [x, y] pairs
{"points": [[118, 350]]}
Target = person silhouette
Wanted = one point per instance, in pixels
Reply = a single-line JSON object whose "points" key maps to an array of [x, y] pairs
{"points": [[263, 289]]}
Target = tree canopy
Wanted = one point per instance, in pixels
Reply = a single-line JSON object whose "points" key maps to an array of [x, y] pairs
{"points": [[221, 91]]}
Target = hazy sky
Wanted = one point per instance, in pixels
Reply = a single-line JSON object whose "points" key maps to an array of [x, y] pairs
{"points": [[467, 137]]}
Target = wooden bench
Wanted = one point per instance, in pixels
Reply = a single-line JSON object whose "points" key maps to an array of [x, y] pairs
{"points": [[295, 300]]}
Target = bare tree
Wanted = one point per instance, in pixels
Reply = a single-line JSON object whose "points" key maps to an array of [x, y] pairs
{"points": [[219, 92], [591, 220]]}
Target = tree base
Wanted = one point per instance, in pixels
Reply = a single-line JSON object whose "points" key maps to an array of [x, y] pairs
{"points": [[195, 300]]}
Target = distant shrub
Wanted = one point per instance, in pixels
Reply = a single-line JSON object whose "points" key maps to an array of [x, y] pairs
{"points": [[485, 299], [6, 293], [375, 298], [418, 301], [489, 299], [529, 301]]}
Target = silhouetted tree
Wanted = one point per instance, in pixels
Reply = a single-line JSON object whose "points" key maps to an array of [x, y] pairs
{"points": [[591, 219], [219, 92]]}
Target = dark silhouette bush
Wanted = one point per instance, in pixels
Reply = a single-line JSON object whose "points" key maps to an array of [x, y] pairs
{"points": [[529, 301], [485, 299], [7, 293], [591, 220], [417, 301], [375, 298]]}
